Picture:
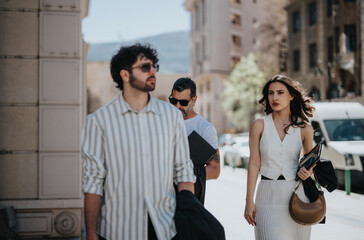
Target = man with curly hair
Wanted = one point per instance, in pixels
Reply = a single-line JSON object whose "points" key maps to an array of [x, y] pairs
{"points": [[133, 149]]}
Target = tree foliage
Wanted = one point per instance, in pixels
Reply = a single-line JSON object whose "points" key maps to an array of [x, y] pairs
{"points": [[274, 26], [242, 91], [271, 32]]}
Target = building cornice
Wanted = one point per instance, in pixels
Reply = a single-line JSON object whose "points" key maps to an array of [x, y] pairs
{"points": [[190, 4], [85, 4], [294, 5]]}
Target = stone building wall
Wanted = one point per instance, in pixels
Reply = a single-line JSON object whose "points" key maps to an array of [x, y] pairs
{"points": [[42, 106]]}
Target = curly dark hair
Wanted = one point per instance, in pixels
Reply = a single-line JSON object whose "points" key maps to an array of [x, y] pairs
{"points": [[301, 105], [126, 57], [184, 83]]}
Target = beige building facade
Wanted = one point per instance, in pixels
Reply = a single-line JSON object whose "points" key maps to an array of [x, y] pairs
{"points": [[221, 32], [324, 47], [101, 87], [42, 107]]}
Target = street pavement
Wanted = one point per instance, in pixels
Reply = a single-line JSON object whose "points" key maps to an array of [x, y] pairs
{"points": [[225, 199]]}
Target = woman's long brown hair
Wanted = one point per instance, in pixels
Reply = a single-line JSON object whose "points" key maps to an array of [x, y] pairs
{"points": [[301, 105]]}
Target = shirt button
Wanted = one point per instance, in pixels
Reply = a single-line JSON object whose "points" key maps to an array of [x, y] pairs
{"points": [[280, 153]]}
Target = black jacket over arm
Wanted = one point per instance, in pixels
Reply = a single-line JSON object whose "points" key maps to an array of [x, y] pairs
{"points": [[193, 221]]}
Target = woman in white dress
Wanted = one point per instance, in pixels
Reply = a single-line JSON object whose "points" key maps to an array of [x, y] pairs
{"points": [[275, 143]]}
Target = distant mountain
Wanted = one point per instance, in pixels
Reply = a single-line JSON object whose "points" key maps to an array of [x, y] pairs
{"points": [[173, 51]]}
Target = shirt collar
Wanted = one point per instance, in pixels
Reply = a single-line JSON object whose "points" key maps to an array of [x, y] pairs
{"points": [[125, 107]]}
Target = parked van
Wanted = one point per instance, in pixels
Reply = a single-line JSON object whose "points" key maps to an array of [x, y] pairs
{"points": [[341, 126]]}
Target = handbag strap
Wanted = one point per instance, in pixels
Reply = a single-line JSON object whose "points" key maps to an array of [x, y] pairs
{"points": [[319, 186], [297, 186]]}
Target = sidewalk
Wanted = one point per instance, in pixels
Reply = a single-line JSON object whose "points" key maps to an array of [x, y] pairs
{"points": [[225, 199]]}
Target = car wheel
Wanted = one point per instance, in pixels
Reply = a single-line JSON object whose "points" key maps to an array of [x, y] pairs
{"points": [[340, 174], [240, 162], [244, 162], [225, 161]]}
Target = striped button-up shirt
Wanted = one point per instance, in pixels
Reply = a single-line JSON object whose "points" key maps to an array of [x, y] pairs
{"points": [[131, 159]]}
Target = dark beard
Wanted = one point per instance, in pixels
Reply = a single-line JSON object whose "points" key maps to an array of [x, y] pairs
{"points": [[140, 86], [184, 114]]}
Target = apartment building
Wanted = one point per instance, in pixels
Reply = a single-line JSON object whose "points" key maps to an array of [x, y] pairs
{"points": [[324, 47], [221, 32]]}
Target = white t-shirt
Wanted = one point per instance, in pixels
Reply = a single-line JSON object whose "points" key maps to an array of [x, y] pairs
{"points": [[203, 127]]}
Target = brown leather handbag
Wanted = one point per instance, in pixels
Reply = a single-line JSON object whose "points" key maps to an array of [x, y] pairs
{"points": [[307, 213]]}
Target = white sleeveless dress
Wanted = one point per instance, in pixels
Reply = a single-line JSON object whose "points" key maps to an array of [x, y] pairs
{"points": [[272, 198]]}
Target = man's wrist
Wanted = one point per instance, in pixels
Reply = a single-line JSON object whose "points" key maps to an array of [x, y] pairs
{"points": [[186, 186], [92, 236]]}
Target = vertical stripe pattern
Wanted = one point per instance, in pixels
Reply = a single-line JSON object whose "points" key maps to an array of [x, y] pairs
{"points": [[272, 215], [131, 159]]}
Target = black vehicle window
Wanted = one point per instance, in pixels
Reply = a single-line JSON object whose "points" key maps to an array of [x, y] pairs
{"points": [[345, 129]]}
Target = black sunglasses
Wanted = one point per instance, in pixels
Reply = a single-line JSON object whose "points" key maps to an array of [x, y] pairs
{"points": [[146, 67], [182, 102]]}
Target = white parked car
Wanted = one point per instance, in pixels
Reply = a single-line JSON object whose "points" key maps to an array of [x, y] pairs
{"points": [[341, 126], [225, 139], [237, 154]]}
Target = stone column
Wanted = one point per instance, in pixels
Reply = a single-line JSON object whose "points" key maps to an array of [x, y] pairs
{"points": [[321, 47], [41, 109], [303, 48]]}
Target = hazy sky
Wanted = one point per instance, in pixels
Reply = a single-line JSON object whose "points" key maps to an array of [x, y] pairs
{"points": [[116, 20]]}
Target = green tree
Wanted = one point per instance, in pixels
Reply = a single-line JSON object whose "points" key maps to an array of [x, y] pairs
{"points": [[242, 91]]}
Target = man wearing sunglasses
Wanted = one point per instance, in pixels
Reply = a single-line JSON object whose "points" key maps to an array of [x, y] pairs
{"points": [[133, 149], [184, 97]]}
